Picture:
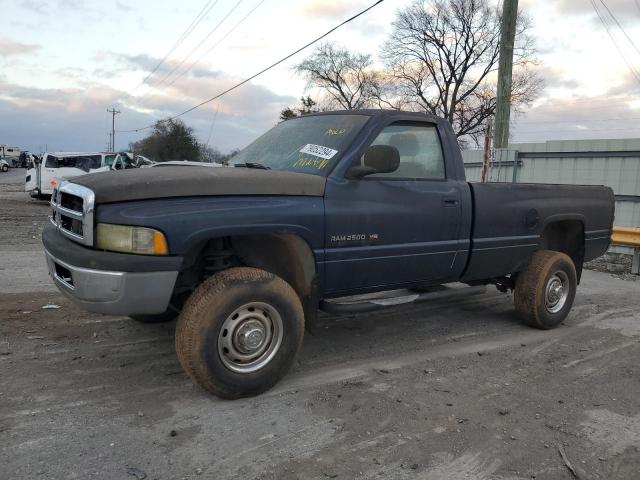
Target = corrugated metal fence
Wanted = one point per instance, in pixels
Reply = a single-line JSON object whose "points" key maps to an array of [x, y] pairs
{"points": [[615, 163]]}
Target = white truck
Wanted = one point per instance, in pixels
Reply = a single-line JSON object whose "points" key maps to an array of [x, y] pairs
{"points": [[10, 156], [44, 175], [9, 151]]}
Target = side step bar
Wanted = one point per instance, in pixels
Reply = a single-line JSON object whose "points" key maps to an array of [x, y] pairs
{"points": [[344, 305]]}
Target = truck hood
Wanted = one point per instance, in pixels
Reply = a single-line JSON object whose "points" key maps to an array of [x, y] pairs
{"points": [[182, 181]]}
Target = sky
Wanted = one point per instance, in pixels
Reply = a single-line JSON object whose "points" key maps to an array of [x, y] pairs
{"points": [[63, 63]]}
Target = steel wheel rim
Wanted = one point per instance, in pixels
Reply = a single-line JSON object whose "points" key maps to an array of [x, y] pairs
{"points": [[250, 337], [556, 292]]}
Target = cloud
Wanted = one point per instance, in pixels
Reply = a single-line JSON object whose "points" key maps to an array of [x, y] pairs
{"points": [[9, 47], [141, 61], [598, 117], [35, 6], [75, 118], [200, 72], [555, 77], [123, 7], [254, 102], [330, 9], [628, 85], [626, 11], [618, 7]]}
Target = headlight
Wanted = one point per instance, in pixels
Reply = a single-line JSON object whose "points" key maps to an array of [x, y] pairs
{"points": [[124, 238]]}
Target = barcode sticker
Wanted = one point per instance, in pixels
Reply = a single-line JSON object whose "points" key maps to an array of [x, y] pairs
{"points": [[319, 151]]}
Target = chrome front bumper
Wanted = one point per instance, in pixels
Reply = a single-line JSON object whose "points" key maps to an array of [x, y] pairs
{"points": [[115, 293]]}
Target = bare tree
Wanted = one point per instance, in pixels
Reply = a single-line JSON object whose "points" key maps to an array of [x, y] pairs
{"points": [[307, 106], [387, 92], [345, 76], [444, 55]]}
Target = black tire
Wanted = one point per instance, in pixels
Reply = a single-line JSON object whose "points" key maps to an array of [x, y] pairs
{"points": [[537, 289], [206, 323], [5, 168], [155, 318]]}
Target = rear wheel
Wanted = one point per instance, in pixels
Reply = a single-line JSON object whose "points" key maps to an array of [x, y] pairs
{"points": [[239, 332], [545, 291]]}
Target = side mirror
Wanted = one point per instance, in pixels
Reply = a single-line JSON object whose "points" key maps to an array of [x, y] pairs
{"points": [[377, 159]]}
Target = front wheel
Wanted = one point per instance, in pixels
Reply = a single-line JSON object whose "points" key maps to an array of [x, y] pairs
{"points": [[5, 168], [239, 332], [545, 290]]}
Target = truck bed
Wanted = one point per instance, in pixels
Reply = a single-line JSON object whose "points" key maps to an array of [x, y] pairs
{"points": [[509, 219]]}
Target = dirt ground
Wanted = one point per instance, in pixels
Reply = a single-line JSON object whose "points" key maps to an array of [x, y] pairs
{"points": [[439, 391]]}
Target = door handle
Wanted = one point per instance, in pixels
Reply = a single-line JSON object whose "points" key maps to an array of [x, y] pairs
{"points": [[450, 202]]}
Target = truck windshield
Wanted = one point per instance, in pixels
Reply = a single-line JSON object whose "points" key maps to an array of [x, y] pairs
{"points": [[82, 162], [305, 144]]}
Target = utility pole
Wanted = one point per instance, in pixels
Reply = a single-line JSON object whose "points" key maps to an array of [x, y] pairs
{"points": [[487, 152], [113, 113], [505, 66]]}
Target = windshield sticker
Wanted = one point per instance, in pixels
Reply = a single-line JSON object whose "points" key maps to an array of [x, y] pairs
{"points": [[311, 162], [318, 151], [335, 132]]}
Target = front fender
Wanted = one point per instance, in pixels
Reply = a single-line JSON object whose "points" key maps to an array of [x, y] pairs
{"points": [[189, 222]]}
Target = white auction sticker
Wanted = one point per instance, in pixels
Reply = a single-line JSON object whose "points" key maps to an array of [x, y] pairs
{"points": [[319, 151]]}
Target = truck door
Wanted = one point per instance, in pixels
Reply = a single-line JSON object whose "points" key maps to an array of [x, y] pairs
{"points": [[397, 228]]}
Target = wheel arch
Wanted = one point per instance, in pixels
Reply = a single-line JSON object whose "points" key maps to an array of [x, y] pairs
{"points": [[287, 255], [565, 234]]}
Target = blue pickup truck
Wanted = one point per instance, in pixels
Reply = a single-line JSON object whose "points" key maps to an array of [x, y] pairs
{"points": [[344, 211]]}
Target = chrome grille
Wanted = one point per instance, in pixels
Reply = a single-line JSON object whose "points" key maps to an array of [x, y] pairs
{"points": [[72, 212]]}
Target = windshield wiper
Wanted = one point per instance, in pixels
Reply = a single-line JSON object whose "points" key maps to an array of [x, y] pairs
{"points": [[252, 165]]}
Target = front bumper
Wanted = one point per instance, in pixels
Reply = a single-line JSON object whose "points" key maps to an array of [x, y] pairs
{"points": [[106, 282]]}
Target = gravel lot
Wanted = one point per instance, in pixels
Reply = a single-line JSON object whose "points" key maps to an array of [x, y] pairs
{"points": [[438, 391]]}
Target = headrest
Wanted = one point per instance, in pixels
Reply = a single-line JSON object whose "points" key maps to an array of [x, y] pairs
{"points": [[406, 143]]}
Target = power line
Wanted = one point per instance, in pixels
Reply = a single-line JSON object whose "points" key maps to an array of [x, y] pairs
{"points": [[211, 32], [606, 27], [620, 26], [215, 44], [194, 23], [247, 80], [213, 122]]}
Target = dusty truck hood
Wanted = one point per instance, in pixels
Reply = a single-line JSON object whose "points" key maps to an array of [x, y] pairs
{"points": [[181, 181]]}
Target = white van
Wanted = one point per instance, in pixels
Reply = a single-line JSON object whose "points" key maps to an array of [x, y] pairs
{"points": [[45, 175]]}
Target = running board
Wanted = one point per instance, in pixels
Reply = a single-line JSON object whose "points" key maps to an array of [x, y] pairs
{"points": [[349, 305]]}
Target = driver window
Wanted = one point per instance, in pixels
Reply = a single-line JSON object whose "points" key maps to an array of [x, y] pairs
{"points": [[419, 148]]}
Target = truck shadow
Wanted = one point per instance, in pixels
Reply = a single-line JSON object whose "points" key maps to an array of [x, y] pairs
{"points": [[338, 338]]}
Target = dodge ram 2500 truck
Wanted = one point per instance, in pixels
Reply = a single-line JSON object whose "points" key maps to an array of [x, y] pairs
{"points": [[320, 212]]}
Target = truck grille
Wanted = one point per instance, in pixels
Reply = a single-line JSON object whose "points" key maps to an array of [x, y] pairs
{"points": [[72, 212]]}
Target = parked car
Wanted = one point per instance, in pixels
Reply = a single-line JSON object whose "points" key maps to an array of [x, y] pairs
{"points": [[318, 209], [4, 166], [127, 160]]}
